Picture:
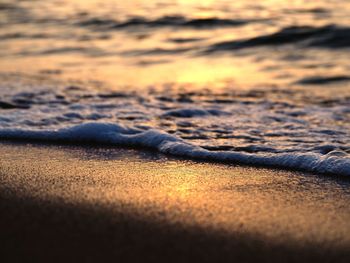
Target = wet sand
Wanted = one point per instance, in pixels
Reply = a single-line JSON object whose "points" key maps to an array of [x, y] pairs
{"points": [[69, 204]]}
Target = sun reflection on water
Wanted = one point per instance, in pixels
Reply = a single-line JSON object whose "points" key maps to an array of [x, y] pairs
{"points": [[47, 36]]}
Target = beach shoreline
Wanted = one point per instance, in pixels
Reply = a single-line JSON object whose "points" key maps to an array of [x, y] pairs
{"points": [[174, 131]]}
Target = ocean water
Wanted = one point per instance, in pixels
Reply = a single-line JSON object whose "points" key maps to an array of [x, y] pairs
{"points": [[244, 82]]}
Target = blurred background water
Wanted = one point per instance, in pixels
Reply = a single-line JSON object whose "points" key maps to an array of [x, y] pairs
{"points": [[206, 42], [268, 79]]}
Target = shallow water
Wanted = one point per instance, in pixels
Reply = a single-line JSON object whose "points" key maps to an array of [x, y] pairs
{"points": [[159, 41], [257, 83]]}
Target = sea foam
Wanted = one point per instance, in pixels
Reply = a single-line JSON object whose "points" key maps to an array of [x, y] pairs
{"points": [[270, 127], [119, 135]]}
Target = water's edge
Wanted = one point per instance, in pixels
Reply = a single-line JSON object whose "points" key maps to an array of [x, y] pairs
{"points": [[117, 135]]}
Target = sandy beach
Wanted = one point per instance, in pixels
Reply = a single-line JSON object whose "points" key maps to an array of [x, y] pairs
{"points": [[174, 131], [68, 203]]}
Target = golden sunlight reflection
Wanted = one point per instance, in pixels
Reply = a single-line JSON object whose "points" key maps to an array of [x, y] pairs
{"points": [[213, 196], [205, 93], [150, 48]]}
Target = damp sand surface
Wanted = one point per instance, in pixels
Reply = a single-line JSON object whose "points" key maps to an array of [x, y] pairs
{"points": [[69, 203]]}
